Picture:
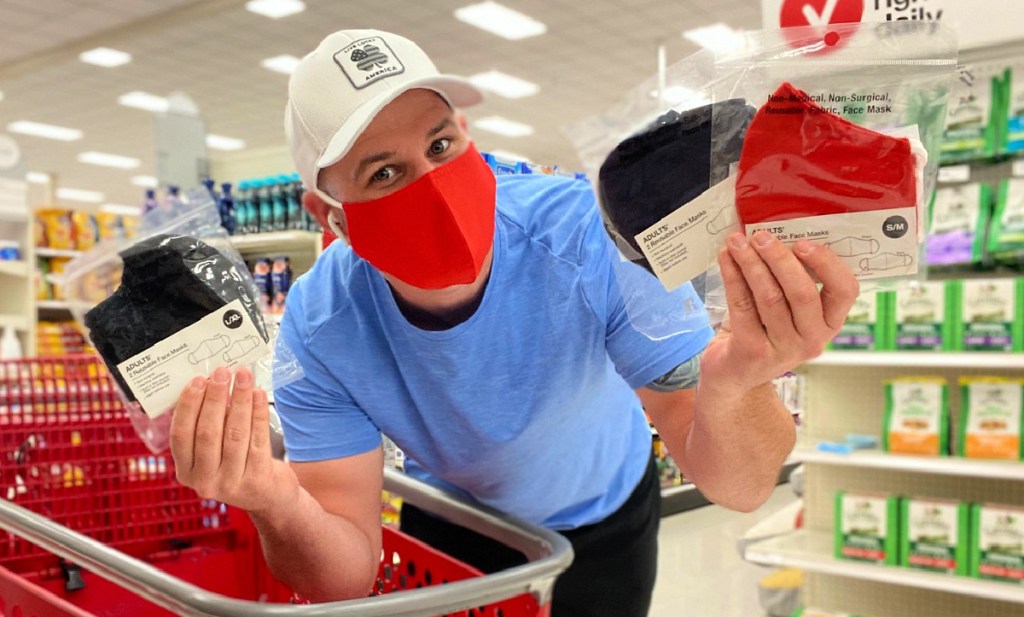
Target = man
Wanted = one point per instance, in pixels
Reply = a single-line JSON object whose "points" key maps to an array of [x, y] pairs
{"points": [[479, 325]]}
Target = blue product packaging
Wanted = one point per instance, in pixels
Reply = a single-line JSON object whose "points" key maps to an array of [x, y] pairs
{"points": [[227, 208]]}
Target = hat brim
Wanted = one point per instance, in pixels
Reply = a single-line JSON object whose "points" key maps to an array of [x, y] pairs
{"points": [[456, 90]]}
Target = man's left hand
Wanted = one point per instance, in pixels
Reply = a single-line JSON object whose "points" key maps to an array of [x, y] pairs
{"points": [[778, 317]]}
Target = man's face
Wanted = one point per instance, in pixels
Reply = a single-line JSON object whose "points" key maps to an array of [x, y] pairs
{"points": [[413, 135]]}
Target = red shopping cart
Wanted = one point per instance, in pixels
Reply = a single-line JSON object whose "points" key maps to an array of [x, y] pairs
{"points": [[99, 527]]}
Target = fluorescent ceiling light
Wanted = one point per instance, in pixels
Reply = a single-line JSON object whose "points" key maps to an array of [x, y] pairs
{"points": [[149, 182], [109, 160], [92, 197], [105, 56], [716, 37], [282, 64], [505, 155], [121, 210], [504, 85], [504, 126], [37, 177], [501, 20], [49, 131], [144, 100], [681, 95], [219, 142], [275, 9]]}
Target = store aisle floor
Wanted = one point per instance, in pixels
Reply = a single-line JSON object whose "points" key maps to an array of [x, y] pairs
{"points": [[700, 571]]}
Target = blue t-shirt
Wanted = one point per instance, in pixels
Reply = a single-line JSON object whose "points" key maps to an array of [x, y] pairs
{"points": [[527, 406]]}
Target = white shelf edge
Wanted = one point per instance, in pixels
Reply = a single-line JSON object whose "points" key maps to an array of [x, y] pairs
{"points": [[276, 240], [53, 305], [43, 251], [932, 465], [17, 267], [679, 489], [811, 551], [922, 359]]}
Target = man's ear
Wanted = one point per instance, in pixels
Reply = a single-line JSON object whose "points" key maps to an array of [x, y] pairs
{"points": [[320, 209], [460, 119]]}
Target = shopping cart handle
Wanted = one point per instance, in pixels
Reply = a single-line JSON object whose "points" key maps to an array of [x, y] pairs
{"points": [[549, 554]]}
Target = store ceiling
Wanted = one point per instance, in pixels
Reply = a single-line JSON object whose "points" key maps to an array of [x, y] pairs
{"points": [[593, 52]]}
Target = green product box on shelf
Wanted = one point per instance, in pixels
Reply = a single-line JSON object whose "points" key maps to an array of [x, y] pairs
{"points": [[960, 215], [989, 315], [1012, 138], [867, 527], [974, 111], [991, 418], [1006, 234], [921, 317], [935, 535], [997, 552], [866, 325], [916, 416]]}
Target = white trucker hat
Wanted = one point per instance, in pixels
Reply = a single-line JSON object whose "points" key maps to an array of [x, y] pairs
{"points": [[337, 90]]}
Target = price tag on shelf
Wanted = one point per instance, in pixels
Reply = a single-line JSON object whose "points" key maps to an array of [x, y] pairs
{"points": [[1018, 168], [955, 173]]}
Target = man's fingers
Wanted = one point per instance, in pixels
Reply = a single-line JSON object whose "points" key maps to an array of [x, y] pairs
{"points": [[183, 425], [210, 427], [743, 317], [772, 306], [237, 426], [800, 290], [840, 286]]}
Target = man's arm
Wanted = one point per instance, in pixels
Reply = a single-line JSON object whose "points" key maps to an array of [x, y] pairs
{"points": [[319, 522], [731, 434]]}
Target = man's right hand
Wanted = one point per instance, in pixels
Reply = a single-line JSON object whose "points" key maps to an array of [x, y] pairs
{"points": [[220, 441]]}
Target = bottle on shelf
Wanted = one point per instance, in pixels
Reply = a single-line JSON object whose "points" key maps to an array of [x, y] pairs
{"points": [[279, 211], [293, 206], [242, 207], [10, 346], [226, 205], [150, 202], [265, 220]]}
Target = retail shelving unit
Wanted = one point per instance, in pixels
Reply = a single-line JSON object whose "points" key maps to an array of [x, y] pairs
{"points": [[845, 395], [17, 308], [302, 247]]}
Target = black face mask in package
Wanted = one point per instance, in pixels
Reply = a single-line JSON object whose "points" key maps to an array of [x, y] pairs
{"points": [[668, 164], [168, 283]]}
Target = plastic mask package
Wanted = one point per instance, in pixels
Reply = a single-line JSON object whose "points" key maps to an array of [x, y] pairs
{"points": [[183, 304], [844, 147], [649, 156]]}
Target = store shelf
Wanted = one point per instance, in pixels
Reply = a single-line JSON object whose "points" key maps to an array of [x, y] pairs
{"points": [[921, 359], [277, 241], [52, 305], [933, 465], [812, 551], [43, 251], [14, 268]]}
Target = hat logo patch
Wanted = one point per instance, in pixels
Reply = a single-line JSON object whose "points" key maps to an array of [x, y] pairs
{"points": [[368, 60]]}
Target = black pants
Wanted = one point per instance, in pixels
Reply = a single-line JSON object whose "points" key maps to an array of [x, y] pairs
{"points": [[615, 563]]}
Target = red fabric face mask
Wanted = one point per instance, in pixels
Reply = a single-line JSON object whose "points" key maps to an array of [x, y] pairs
{"points": [[433, 233], [799, 160]]}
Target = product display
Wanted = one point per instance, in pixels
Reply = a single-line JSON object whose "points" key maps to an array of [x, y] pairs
{"points": [[1013, 93], [974, 113], [990, 315], [1006, 234], [997, 552], [935, 535], [922, 317], [867, 527], [916, 416], [867, 325], [990, 421], [959, 218]]}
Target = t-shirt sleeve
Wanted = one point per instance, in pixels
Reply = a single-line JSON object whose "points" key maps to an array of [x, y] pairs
{"points": [[665, 334], [319, 417]]}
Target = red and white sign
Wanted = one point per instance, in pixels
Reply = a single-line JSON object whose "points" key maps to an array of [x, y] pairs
{"points": [[978, 23]]}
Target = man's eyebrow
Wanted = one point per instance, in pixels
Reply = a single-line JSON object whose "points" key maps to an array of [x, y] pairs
{"points": [[370, 160], [440, 127]]}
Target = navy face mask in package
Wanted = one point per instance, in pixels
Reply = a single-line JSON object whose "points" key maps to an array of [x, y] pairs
{"points": [[172, 305]]}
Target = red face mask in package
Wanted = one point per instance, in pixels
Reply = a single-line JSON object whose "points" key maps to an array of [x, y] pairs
{"points": [[433, 233], [806, 173]]}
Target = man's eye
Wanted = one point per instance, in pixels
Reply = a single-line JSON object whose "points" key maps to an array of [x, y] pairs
{"points": [[383, 174], [440, 146]]}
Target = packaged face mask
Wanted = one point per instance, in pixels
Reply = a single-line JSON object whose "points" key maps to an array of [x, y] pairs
{"points": [[971, 115], [997, 544], [990, 418], [959, 218], [843, 149], [990, 315], [866, 527], [1006, 235], [935, 535], [916, 416]]}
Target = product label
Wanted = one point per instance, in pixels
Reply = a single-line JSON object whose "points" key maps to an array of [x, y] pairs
{"points": [[226, 337], [956, 209], [864, 527], [915, 421], [920, 310], [933, 532], [1012, 219], [685, 244], [1001, 544], [988, 309], [874, 244], [994, 420], [858, 332]]}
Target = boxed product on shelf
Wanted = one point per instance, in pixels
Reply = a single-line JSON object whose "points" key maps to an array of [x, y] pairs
{"points": [[959, 217], [866, 325], [55, 229], [86, 230], [59, 339], [935, 535], [867, 527], [1013, 90], [972, 113], [997, 548], [1006, 234], [916, 416], [990, 315], [922, 314], [990, 418]]}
